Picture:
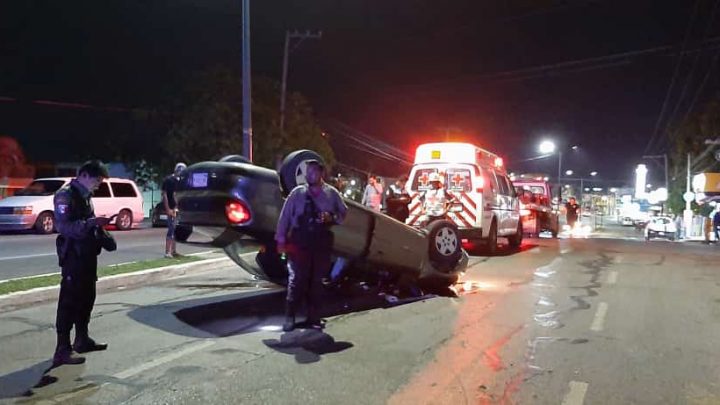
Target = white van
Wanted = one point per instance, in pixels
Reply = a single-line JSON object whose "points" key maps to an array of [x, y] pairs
{"points": [[32, 207], [478, 180]]}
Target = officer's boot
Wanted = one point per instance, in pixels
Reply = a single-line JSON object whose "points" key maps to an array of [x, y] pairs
{"points": [[84, 343], [64, 352], [289, 324], [313, 319]]}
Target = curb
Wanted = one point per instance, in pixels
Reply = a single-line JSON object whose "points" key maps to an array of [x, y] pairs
{"points": [[21, 299]]}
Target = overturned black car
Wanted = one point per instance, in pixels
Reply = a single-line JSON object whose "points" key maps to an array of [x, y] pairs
{"points": [[237, 204]]}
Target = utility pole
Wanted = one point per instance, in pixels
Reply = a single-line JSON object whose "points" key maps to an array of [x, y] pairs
{"points": [[560, 177], [687, 215], [246, 84], [288, 37], [665, 159]]}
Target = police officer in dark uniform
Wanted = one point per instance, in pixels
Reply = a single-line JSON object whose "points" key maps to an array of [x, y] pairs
{"points": [[78, 245], [304, 233]]}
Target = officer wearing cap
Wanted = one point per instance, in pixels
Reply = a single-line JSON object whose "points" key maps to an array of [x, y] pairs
{"points": [[303, 232], [80, 241]]}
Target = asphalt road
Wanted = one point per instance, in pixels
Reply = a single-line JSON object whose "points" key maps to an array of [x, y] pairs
{"points": [[569, 321], [26, 254]]}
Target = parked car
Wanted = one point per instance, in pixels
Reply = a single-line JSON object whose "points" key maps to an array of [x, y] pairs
{"points": [[660, 227], [32, 207], [238, 204], [627, 221]]}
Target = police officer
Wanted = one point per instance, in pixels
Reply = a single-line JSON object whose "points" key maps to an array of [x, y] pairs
{"points": [[303, 232], [78, 246], [572, 212]]}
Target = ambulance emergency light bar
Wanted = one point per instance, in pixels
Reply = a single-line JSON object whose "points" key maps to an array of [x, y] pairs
{"points": [[455, 152]]}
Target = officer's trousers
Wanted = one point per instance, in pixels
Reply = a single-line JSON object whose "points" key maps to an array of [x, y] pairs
{"points": [[77, 294], [306, 269]]}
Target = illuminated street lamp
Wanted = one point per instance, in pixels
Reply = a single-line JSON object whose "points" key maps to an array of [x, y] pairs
{"points": [[593, 174], [569, 172], [546, 147]]}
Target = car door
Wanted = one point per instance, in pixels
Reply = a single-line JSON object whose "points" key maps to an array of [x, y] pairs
{"points": [[102, 200], [500, 203], [513, 206]]}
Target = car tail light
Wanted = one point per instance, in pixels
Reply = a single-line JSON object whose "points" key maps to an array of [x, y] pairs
{"points": [[236, 212], [22, 210]]}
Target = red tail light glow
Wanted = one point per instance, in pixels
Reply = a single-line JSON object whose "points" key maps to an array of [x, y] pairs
{"points": [[236, 212]]}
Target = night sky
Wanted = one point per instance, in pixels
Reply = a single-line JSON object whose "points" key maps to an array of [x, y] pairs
{"points": [[403, 71]]}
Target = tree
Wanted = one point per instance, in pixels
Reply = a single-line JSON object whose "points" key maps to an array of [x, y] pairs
{"points": [[207, 121], [689, 137]]}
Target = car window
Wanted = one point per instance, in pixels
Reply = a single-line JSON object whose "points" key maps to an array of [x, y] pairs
{"points": [[494, 182], [103, 191], [458, 180], [123, 190], [508, 186], [420, 180], [501, 184], [41, 187]]}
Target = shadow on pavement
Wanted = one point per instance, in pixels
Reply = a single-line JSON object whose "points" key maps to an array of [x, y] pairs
{"points": [[253, 311], [37, 382], [307, 346]]}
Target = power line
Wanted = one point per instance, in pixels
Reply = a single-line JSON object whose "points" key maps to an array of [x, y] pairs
{"points": [[676, 73], [666, 140]]}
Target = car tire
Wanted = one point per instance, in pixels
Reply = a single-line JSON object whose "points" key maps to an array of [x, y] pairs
{"points": [[45, 223], [124, 220], [235, 159], [444, 244], [492, 242], [293, 169], [183, 232], [516, 240]]}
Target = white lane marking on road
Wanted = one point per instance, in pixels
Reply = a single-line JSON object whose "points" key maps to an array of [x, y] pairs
{"points": [[598, 322], [162, 360], [576, 395], [612, 277], [27, 256], [204, 252]]}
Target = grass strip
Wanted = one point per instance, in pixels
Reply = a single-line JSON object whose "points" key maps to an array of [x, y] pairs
{"points": [[28, 283]]}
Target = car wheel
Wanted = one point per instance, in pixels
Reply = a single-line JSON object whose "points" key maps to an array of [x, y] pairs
{"points": [[294, 167], [444, 244], [124, 220], [45, 223], [516, 240], [183, 232], [235, 159], [491, 247]]}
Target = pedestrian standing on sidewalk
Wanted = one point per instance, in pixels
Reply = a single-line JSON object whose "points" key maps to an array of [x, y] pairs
{"points": [[78, 245], [303, 233], [170, 205], [716, 224], [372, 197]]}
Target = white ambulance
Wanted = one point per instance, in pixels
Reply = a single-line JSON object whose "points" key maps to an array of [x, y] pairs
{"points": [[487, 206]]}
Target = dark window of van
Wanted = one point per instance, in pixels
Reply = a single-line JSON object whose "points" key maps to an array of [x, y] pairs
{"points": [[103, 191], [123, 190], [420, 181]]}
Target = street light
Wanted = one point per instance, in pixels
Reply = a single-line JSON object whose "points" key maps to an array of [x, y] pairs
{"points": [[593, 174], [569, 172], [546, 147]]}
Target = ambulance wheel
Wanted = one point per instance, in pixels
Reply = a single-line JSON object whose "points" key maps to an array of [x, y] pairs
{"points": [[294, 167], [516, 240], [444, 244], [492, 242]]}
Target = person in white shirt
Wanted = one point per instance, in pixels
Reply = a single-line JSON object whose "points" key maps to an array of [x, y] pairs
{"points": [[372, 198]]}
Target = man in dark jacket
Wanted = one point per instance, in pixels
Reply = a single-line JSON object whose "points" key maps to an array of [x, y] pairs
{"points": [[78, 245]]}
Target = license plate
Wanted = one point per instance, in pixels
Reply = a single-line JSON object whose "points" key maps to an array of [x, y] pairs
{"points": [[199, 179], [163, 217]]}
